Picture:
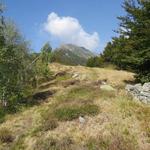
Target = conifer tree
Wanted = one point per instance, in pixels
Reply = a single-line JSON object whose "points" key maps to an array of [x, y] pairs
{"points": [[134, 51]]}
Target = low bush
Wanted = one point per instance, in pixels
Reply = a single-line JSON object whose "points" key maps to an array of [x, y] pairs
{"points": [[89, 109], [67, 113]]}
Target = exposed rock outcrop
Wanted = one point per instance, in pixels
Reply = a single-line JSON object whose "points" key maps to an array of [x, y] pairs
{"points": [[140, 92]]}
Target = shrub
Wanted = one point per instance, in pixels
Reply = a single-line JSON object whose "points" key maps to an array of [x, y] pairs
{"points": [[90, 109], [5, 135], [95, 62], [67, 113]]}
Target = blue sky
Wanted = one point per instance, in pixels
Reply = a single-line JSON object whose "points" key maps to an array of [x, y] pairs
{"points": [[93, 21]]}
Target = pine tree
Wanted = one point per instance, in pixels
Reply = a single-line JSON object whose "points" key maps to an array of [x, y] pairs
{"points": [[134, 51]]}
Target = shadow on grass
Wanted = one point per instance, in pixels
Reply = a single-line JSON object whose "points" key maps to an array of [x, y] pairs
{"points": [[30, 101], [130, 81]]}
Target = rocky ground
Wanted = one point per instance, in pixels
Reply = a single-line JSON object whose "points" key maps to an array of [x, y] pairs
{"points": [[140, 92], [80, 108]]}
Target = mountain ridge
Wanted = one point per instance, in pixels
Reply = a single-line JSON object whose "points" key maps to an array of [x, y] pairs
{"points": [[70, 54]]}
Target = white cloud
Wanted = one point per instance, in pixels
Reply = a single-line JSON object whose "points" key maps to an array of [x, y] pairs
{"points": [[69, 30]]}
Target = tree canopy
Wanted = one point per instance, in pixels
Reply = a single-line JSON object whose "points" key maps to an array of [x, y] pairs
{"points": [[19, 67], [131, 50]]}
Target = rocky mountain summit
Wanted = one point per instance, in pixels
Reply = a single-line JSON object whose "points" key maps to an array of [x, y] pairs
{"points": [[70, 54], [140, 92]]}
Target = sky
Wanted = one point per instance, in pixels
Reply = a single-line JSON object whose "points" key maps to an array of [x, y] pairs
{"points": [[87, 23]]}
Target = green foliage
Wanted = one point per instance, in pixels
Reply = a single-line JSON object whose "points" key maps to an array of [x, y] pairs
{"points": [[43, 59], [19, 68], [13, 60], [100, 61], [116, 53], [95, 62], [131, 50], [46, 53]]}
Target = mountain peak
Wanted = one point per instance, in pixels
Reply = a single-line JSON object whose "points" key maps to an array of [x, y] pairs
{"points": [[72, 54]]}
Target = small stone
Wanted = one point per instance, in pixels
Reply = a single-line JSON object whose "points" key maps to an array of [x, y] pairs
{"points": [[81, 119], [107, 87], [138, 87], [75, 75], [146, 94], [146, 87], [129, 87]]}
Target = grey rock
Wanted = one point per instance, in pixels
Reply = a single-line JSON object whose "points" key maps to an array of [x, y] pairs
{"points": [[142, 93], [129, 87], [81, 119], [138, 87], [146, 87], [146, 94]]}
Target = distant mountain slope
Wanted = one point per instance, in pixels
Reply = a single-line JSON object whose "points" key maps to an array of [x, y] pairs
{"points": [[71, 55]]}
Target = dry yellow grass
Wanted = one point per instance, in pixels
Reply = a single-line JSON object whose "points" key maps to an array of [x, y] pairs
{"points": [[120, 122], [114, 77]]}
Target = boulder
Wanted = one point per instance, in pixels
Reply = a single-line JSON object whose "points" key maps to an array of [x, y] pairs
{"points": [[142, 93]]}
